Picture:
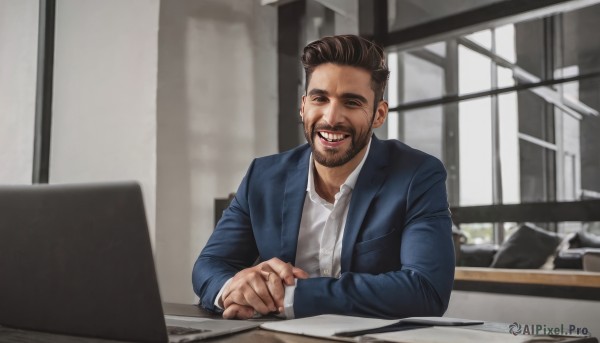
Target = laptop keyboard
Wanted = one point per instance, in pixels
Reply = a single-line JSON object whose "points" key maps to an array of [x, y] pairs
{"points": [[178, 330]]}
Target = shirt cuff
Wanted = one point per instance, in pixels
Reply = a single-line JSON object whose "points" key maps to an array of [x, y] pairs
{"points": [[288, 300], [217, 305]]}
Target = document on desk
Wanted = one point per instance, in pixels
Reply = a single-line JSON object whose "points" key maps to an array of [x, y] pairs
{"points": [[445, 334], [327, 325], [345, 327]]}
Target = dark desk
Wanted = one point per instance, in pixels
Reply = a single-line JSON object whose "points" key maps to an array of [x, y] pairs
{"points": [[256, 335]]}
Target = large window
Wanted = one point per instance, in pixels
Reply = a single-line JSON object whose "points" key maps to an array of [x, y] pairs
{"points": [[511, 110]]}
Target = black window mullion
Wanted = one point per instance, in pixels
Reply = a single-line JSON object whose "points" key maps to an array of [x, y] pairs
{"points": [[43, 104]]}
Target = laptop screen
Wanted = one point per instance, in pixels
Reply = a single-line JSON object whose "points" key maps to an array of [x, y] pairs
{"points": [[76, 259]]}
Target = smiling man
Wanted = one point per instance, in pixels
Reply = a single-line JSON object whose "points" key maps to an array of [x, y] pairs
{"points": [[346, 224]]}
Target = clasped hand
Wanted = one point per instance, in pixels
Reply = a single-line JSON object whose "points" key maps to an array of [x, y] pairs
{"points": [[259, 289]]}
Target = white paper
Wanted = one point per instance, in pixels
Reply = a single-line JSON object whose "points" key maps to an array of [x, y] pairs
{"points": [[448, 334], [326, 325]]}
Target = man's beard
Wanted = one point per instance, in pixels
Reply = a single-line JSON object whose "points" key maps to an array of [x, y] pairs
{"points": [[329, 158]]}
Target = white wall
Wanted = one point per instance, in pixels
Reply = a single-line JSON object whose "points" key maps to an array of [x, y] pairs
{"points": [[18, 69], [183, 110], [104, 107], [217, 110], [525, 310]]}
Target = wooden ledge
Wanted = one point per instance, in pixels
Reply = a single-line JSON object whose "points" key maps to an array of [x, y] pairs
{"points": [[529, 276]]}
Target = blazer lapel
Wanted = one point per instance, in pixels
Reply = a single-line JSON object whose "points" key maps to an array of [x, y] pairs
{"points": [[293, 203], [369, 181]]}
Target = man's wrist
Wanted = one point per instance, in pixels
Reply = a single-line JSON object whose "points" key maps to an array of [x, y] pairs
{"points": [[218, 301]]}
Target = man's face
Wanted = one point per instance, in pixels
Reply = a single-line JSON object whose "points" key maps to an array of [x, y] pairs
{"points": [[337, 112]]}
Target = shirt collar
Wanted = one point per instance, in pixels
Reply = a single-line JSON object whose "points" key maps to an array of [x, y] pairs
{"points": [[350, 181]]}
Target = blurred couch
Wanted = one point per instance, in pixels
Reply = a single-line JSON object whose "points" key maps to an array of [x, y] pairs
{"points": [[531, 247]]}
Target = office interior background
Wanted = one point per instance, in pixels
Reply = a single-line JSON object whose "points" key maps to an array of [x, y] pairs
{"points": [[182, 95]]}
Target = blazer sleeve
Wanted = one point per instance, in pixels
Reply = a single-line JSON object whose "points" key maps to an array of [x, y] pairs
{"points": [[230, 248], [421, 286]]}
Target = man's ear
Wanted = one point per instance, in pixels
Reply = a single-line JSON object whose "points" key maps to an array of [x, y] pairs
{"points": [[380, 114]]}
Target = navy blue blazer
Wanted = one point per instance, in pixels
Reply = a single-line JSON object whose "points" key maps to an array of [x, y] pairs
{"points": [[397, 251]]}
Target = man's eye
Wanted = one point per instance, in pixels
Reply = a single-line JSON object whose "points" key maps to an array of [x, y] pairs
{"points": [[319, 99], [353, 103]]}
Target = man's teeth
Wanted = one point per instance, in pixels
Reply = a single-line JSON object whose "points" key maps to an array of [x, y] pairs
{"points": [[332, 137]]}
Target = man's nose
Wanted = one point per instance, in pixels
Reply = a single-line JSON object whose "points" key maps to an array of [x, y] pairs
{"points": [[333, 113]]}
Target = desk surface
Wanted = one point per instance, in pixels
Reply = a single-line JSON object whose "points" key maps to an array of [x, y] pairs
{"points": [[573, 278], [563, 284], [256, 335]]}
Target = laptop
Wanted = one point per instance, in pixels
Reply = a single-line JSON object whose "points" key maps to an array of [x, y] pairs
{"points": [[77, 260]]}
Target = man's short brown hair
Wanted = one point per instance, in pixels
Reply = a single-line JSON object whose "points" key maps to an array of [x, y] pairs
{"points": [[349, 50]]}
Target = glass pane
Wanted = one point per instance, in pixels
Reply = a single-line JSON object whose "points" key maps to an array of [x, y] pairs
{"points": [[505, 42], [568, 181], [18, 71], [536, 120], [592, 227], [474, 71], [390, 128], [417, 74], [509, 147], [438, 48], [421, 78], [505, 77], [537, 180], [590, 150], [580, 46], [478, 233], [422, 129], [529, 50], [475, 149]]}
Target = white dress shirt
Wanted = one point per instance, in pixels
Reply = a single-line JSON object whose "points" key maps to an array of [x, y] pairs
{"points": [[321, 231]]}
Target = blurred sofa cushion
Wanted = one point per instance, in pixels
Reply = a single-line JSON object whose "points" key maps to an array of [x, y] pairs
{"points": [[569, 259], [584, 240], [528, 248], [476, 255]]}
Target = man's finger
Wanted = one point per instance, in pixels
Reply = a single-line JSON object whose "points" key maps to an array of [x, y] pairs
{"points": [[299, 273], [226, 294], [247, 296], [266, 274], [261, 289], [282, 269], [235, 298], [238, 311], [275, 286]]}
